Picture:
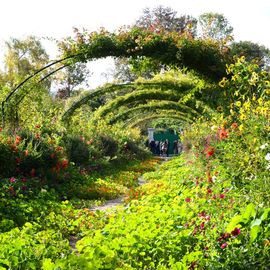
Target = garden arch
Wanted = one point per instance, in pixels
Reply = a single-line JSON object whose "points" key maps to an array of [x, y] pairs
{"points": [[202, 56]]}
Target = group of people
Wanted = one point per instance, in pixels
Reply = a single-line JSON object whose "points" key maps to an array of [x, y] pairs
{"points": [[161, 148]]}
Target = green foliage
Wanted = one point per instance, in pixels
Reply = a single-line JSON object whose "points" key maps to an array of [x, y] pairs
{"points": [[108, 146], [170, 48], [77, 150], [251, 51]]}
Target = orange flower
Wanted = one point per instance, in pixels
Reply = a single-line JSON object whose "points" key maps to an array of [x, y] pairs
{"points": [[223, 133], [234, 125], [26, 152], [59, 148], [18, 140]]}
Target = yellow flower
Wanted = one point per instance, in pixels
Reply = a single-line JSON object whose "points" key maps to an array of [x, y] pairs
{"points": [[246, 105], [242, 117], [241, 127], [223, 82], [238, 104], [260, 101], [219, 109]]}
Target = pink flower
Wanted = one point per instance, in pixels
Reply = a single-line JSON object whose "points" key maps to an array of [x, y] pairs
{"points": [[236, 232], [224, 245], [12, 180], [202, 226]]}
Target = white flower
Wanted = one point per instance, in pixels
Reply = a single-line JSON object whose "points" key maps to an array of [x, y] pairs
{"points": [[263, 146], [267, 157]]}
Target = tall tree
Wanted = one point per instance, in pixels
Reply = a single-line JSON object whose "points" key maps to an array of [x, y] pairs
{"points": [[70, 78], [166, 19], [22, 58], [215, 26], [252, 51]]}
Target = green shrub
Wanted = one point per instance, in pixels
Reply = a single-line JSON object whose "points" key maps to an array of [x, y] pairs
{"points": [[77, 150]]}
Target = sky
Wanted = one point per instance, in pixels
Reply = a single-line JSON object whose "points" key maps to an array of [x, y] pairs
{"points": [[56, 18]]}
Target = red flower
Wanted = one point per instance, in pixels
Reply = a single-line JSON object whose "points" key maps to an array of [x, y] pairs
{"points": [[202, 214], [33, 172], [64, 163], [37, 126], [188, 200], [202, 226], [221, 196], [209, 151], [209, 190], [236, 232]]}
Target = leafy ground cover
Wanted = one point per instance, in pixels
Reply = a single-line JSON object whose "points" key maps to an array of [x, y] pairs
{"points": [[37, 223], [182, 220]]}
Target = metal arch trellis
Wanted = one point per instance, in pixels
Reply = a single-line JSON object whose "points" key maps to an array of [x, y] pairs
{"points": [[166, 104], [83, 99], [14, 91]]}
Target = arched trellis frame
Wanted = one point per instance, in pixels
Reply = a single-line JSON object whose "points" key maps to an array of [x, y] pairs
{"points": [[141, 95], [153, 106], [14, 91], [203, 56], [127, 88]]}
